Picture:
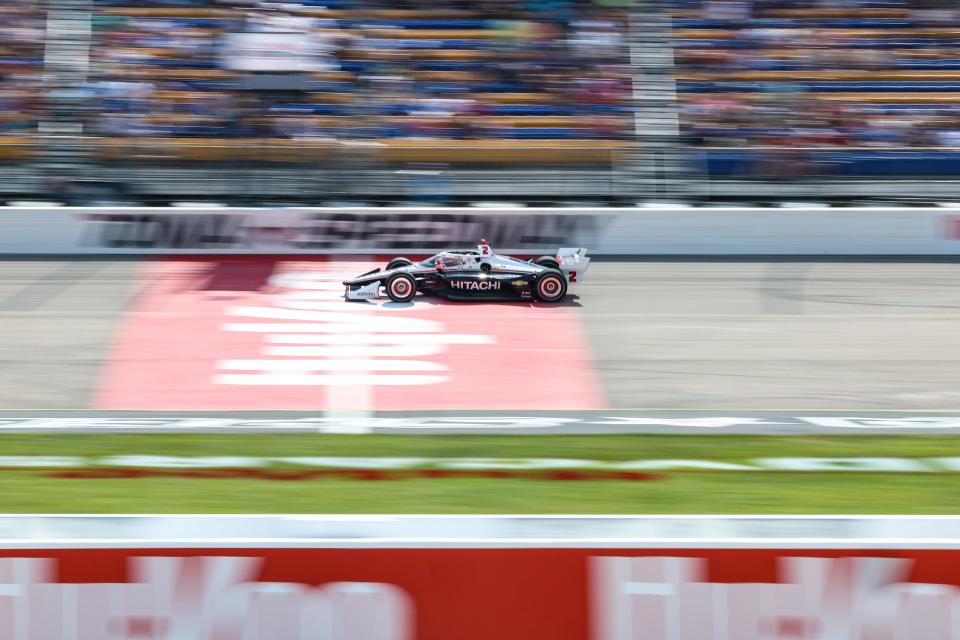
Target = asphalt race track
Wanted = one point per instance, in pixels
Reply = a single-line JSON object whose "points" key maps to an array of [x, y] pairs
{"points": [[57, 321], [776, 335], [745, 339]]}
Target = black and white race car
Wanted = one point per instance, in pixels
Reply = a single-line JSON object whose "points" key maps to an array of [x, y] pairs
{"points": [[473, 274]]}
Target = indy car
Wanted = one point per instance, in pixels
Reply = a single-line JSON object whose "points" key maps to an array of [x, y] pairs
{"points": [[473, 274]]}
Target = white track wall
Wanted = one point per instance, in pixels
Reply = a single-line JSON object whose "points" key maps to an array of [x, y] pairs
{"points": [[644, 232]]}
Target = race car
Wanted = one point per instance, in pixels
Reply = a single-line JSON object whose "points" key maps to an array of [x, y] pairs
{"points": [[473, 274]]}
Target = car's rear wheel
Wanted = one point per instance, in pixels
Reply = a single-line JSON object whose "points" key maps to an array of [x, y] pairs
{"points": [[547, 261], [551, 287], [396, 263], [401, 287]]}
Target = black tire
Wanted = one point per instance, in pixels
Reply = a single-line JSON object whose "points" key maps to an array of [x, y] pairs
{"points": [[401, 287], [398, 262], [551, 286], [547, 261]]}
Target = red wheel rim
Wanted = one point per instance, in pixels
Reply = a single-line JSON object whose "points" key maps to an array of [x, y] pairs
{"points": [[550, 287], [400, 288]]}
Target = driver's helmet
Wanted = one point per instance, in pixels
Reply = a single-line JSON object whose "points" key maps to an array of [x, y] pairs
{"points": [[449, 261]]}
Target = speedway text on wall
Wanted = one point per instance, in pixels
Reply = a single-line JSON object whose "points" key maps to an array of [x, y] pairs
{"points": [[621, 231]]}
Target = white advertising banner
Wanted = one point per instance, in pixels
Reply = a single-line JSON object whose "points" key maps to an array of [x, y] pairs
{"points": [[625, 231]]}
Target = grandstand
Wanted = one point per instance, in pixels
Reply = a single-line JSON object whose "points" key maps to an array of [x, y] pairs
{"points": [[605, 101], [307, 100], [851, 92]]}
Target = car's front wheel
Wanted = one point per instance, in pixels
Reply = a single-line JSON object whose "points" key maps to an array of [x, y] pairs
{"points": [[551, 287], [401, 287]]}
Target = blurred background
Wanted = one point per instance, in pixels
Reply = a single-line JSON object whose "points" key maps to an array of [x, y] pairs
{"points": [[449, 101], [744, 362]]}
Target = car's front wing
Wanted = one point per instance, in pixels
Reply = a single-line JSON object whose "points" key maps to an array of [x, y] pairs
{"points": [[367, 291]]}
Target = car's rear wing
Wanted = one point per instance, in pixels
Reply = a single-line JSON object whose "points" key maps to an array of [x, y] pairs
{"points": [[573, 262]]}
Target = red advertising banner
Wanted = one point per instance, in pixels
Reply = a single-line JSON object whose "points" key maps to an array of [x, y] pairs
{"points": [[479, 594]]}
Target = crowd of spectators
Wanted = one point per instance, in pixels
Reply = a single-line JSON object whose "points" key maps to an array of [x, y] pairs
{"points": [[357, 69], [751, 73], [22, 27], [814, 73], [799, 122]]}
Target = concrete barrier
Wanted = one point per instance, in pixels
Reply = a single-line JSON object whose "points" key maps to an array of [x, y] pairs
{"points": [[402, 531], [618, 231]]}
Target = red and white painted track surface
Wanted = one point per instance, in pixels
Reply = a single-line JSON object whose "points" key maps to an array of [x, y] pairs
{"points": [[710, 335], [261, 333]]}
